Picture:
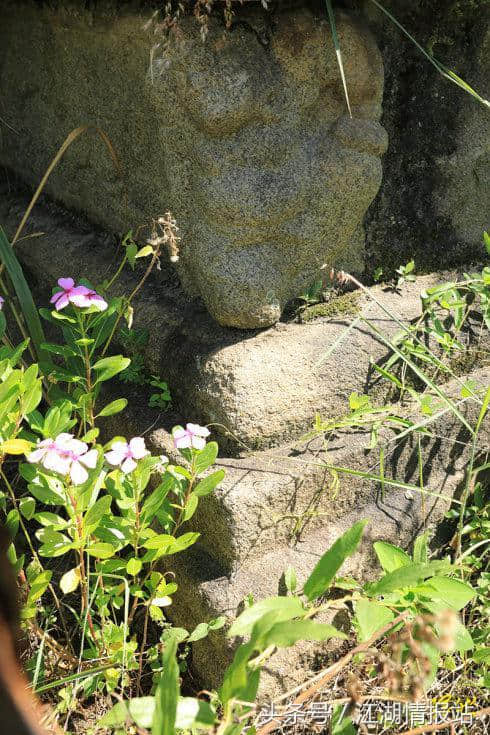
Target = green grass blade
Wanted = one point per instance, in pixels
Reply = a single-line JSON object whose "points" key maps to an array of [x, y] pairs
{"points": [[338, 53], [14, 269], [447, 73]]}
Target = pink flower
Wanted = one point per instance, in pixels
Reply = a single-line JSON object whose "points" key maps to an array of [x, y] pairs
{"points": [[2, 301], [65, 455], [125, 455], [192, 436], [70, 294], [90, 298]]}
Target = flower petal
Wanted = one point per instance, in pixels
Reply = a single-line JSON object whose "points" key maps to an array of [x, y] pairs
{"points": [[138, 448], [62, 302], [36, 455], [90, 459], [97, 300], [128, 465], [198, 430], [66, 283], [114, 457], [55, 462], [78, 473], [198, 442], [183, 442]]}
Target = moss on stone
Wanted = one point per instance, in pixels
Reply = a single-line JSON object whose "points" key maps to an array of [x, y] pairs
{"points": [[347, 303]]}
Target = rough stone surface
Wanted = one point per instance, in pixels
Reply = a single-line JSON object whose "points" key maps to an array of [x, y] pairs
{"points": [[244, 139]]}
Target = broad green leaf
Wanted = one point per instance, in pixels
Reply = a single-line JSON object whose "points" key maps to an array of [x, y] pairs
{"points": [[183, 542], [288, 632], [113, 407], [101, 550], [462, 638], [191, 713], [370, 617], [167, 693], [391, 557], [190, 507], [199, 632], [70, 580], [12, 522], [94, 514], [161, 542], [39, 585], [482, 655], [206, 457], [108, 367], [133, 566], [285, 608], [454, 593], [194, 713], [208, 484], [27, 507], [15, 446], [330, 563], [407, 576]]}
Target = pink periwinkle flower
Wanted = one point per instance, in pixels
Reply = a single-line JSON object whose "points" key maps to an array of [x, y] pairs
{"points": [[80, 296], [90, 298], [2, 301], [124, 455], [193, 436], [66, 456]]}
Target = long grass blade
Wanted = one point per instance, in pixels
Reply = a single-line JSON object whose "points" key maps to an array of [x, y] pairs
{"points": [[338, 52], [14, 269], [447, 73], [59, 155]]}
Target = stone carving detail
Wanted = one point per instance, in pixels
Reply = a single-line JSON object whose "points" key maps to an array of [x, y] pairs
{"points": [[269, 177]]}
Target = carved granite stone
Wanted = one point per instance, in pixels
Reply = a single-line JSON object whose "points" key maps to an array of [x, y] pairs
{"points": [[277, 176]]}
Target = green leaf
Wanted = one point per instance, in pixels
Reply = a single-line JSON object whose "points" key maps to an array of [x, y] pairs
{"points": [[341, 725], [328, 566], [114, 407], [370, 617], [101, 550], [190, 507], [39, 586], [27, 507], [133, 567], [208, 484], [194, 713], [482, 655], [421, 549], [462, 638], [290, 579], [94, 514], [288, 632], [453, 592], [191, 713], [199, 632], [206, 457], [284, 608], [407, 576], [167, 693], [108, 367], [70, 580], [24, 295], [391, 557]]}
